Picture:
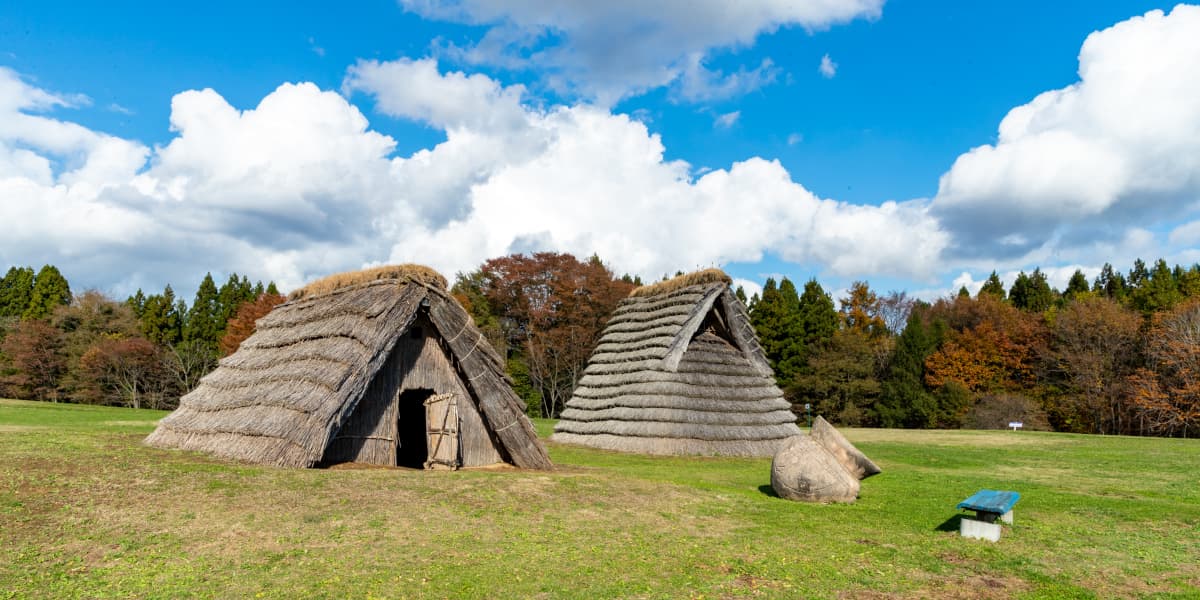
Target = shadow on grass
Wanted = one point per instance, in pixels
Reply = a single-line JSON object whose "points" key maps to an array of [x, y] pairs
{"points": [[951, 524], [768, 490]]}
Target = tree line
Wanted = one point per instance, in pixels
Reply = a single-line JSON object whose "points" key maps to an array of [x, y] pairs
{"points": [[1119, 354], [143, 352]]}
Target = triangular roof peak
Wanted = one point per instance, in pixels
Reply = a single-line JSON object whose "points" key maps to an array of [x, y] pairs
{"points": [[332, 283], [687, 280]]}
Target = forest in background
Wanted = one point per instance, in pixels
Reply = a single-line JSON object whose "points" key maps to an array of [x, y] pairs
{"points": [[1117, 355]]}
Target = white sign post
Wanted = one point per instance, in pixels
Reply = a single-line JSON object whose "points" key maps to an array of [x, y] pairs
{"points": [[1015, 425]]}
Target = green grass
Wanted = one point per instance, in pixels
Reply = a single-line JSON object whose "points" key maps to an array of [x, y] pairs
{"points": [[87, 511]]}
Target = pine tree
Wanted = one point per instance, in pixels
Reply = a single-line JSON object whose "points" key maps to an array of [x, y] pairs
{"points": [[271, 289], [137, 303], [1138, 274], [818, 319], [202, 324], [776, 322], [993, 286], [1189, 282], [15, 291], [963, 292], [161, 321], [1159, 290], [50, 290], [905, 401], [1076, 286], [1110, 283], [741, 294], [1031, 292]]}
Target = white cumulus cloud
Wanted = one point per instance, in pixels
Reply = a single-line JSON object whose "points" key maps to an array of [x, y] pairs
{"points": [[1081, 164]]}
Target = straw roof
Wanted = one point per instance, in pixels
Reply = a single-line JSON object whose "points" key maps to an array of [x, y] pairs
{"points": [[678, 370], [291, 385]]}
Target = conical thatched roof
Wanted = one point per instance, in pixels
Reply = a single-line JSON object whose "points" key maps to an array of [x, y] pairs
{"points": [[290, 386], [678, 370]]}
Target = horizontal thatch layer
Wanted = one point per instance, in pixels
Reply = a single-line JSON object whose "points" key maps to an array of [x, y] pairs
{"points": [[673, 446], [697, 278], [683, 416], [765, 404], [292, 384], [679, 371], [411, 272]]}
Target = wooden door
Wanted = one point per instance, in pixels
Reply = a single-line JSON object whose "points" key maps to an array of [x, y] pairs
{"points": [[441, 414]]}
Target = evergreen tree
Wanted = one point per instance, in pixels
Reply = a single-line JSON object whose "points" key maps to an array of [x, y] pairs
{"points": [[230, 296], [818, 318], [271, 289], [160, 321], [1159, 290], [1138, 274], [1189, 282], [202, 324], [16, 289], [963, 292], [50, 290], [1076, 286], [137, 303], [904, 399], [1110, 283], [741, 295], [1031, 292], [993, 286], [775, 320]]}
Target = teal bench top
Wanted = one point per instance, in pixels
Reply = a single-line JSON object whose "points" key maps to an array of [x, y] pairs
{"points": [[990, 501]]}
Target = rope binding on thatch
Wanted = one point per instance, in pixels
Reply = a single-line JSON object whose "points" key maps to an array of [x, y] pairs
{"points": [[412, 272], [678, 283]]}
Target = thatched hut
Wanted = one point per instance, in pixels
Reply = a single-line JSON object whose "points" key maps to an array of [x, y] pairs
{"points": [[380, 366], [678, 370]]}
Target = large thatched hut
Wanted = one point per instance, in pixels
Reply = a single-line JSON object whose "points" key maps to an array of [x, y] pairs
{"points": [[380, 366], [678, 370]]}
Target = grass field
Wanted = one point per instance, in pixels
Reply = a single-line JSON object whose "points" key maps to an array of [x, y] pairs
{"points": [[87, 511]]}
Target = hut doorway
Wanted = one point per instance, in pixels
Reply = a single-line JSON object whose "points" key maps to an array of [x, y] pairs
{"points": [[412, 449]]}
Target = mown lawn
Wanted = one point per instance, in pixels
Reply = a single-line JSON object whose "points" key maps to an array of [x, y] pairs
{"points": [[87, 511]]}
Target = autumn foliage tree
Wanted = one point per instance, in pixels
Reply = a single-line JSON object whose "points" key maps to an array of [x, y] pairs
{"points": [[242, 324], [1094, 347], [128, 372], [35, 359], [1166, 392], [551, 308]]}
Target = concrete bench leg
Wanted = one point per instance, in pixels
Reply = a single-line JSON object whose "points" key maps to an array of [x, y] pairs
{"points": [[1007, 517], [980, 530]]}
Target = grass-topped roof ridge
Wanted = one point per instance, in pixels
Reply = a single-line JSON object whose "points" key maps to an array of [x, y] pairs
{"points": [[682, 281], [337, 281]]}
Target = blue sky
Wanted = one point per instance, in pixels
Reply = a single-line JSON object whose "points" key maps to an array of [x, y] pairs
{"points": [[664, 136]]}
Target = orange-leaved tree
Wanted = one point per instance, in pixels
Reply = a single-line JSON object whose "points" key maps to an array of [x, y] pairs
{"points": [[551, 308], [241, 325], [1166, 393]]}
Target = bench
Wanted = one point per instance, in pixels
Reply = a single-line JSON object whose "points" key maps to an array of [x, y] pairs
{"points": [[989, 505]]}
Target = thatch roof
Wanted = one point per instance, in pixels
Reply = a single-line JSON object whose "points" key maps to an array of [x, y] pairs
{"points": [[678, 370], [292, 384]]}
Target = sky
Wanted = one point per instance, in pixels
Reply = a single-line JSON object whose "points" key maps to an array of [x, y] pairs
{"points": [[915, 145]]}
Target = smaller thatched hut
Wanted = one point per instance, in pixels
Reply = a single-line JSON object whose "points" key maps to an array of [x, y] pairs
{"points": [[380, 366], [678, 370]]}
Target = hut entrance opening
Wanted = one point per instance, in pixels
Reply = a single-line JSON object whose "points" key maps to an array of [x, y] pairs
{"points": [[412, 449]]}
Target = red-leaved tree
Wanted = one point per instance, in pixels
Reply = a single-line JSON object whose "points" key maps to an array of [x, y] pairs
{"points": [[36, 360], [552, 307], [241, 325]]}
